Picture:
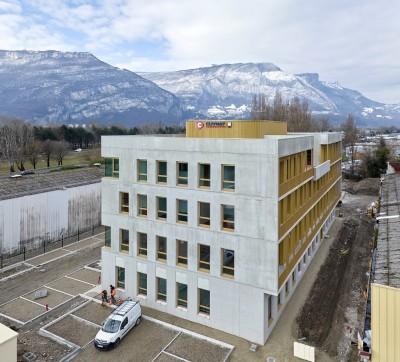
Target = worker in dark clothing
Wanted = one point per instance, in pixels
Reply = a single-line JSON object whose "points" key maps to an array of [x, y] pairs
{"points": [[113, 293], [104, 297]]}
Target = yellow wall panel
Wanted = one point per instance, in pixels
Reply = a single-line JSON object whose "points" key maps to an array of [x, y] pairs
{"points": [[385, 323]]}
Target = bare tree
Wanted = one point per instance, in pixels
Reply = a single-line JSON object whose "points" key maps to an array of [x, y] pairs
{"points": [[24, 137], [350, 137], [33, 152], [60, 149], [48, 150], [8, 144]]}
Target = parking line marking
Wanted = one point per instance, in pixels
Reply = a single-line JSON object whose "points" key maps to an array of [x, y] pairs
{"points": [[60, 291], [13, 319], [92, 269], [170, 342], [32, 301], [78, 280], [85, 320], [175, 356]]}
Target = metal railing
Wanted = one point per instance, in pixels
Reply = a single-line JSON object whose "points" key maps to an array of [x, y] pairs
{"points": [[34, 247]]}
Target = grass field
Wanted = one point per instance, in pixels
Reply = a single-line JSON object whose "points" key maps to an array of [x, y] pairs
{"points": [[72, 158]]}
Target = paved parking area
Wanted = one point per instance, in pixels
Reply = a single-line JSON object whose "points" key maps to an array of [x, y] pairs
{"points": [[45, 258], [21, 310]]}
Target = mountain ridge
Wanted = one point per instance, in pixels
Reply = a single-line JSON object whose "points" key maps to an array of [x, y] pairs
{"points": [[225, 90]]}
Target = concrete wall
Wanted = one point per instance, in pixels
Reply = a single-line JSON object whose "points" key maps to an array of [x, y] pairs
{"points": [[8, 344], [30, 219]]}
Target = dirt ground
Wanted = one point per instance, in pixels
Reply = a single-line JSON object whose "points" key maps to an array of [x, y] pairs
{"points": [[74, 330], [70, 286], [94, 312], [199, 351], [52, 299], [86, 275], [333, 312], [368, 186], [21, 310]]}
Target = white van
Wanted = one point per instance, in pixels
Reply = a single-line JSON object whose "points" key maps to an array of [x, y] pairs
{"points": [[118, 324]]}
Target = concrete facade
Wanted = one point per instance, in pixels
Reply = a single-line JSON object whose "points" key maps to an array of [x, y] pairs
{"points": [[238, 305], [8, 344]]}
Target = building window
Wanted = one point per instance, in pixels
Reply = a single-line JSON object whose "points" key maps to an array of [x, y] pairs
{"points": [[111, 167], [228, 177], [120, 277], [228, 217], [294, 277], [181, 295], [181, 252], [269, 308], [142, 170], [107, 236], [287, 287], [181, 211], [162, 289], [299, 267], [204, 214], [161, 172], [204, 301], [182, 173], [142, 205], [142, 244], [228, 262], [204, 175], [309, 158], [142, 283], [204, 257], [124, 240], [161, 248], [124, 202], [279, 300], [161, 208]]}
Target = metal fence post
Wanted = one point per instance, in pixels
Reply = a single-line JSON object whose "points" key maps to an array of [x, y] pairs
{"points": [[78, 233], [1, 261], [62, 241], [24, 254], [44, 246]]}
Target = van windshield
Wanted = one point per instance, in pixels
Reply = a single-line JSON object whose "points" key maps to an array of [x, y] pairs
{"points": [[111, 326]]}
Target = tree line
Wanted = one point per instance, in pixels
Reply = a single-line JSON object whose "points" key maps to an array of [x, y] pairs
{"points": [[295, 112], [22, 142]]}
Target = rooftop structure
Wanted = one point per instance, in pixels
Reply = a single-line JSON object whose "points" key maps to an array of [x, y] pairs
{"points": [[220, 222], [47, 181], [387, 262]]}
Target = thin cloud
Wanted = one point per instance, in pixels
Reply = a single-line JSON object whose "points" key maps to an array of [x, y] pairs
{"points": [[356, 43]]}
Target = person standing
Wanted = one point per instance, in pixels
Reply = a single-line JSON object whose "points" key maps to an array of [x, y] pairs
{"points": [[113, 293]]}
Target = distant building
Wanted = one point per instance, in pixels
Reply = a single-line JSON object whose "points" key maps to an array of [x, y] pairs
{"points": [[385, 279], [218, 227], [48, 206]]}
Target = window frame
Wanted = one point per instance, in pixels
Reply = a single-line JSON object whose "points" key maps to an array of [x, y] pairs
{"points": [[141, 211], [182, 303], [181, 260], [226, 222], [107, 236], [114, 170], [179, 177], [180, 214], [223, 181], [203, 309], [119, 284], [139, 247], [161, 214], [140, 289], [123, 245], [160, 176], [158, 293], [227, 271], [202, 218], [140, 174], [200, 262], [123, 208], [161, 255], [204, 183]]}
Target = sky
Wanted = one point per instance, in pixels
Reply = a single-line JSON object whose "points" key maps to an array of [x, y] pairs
{"points": [[354, 42]]}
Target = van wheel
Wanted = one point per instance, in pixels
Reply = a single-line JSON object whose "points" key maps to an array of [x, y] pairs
{"points": [[117, 342], [138, 321]]}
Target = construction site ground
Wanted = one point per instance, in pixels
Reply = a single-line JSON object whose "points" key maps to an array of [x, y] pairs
{"points": [[78, 270]]}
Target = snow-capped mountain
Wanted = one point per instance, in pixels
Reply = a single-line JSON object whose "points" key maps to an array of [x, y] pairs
{"points": [[226, 90], [72, 87]]}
